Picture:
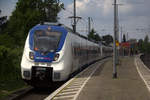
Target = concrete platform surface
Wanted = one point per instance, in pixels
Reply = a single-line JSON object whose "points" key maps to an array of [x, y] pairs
{"points": [[128, 85]]}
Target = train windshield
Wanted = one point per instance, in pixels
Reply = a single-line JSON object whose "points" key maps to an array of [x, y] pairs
{"points": [[46, 41]]}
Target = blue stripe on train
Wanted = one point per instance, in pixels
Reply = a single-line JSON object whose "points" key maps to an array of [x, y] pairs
{"points": [[50, 56]]}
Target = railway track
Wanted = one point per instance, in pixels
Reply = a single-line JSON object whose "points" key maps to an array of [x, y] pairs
{"points": [[75, 84], [37, 94], [146, 59]]}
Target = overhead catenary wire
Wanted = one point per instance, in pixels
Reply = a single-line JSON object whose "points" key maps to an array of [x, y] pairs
{"points": [[83, 29]]}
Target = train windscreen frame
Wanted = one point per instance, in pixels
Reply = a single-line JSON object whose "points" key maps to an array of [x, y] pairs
{"points": [[46, 40]]}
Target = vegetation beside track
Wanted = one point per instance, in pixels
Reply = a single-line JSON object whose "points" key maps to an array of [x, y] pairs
{"points": [[144, 45], [10, 75], [13, 33], [9, 86]]}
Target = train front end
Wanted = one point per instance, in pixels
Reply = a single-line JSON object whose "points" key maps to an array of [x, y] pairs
{"points": [[42, 60]]}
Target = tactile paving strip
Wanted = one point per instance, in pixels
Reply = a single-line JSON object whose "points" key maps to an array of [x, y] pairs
{"points": [[71, 89]]}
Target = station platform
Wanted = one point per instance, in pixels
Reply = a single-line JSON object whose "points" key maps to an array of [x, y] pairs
{"points": [[128, 86]]}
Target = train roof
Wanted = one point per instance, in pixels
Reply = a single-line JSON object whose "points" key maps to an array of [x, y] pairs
{"points": [[59, 24]]}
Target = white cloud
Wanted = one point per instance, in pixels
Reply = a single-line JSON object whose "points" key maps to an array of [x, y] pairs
{"points": [[125, 8], [107, 6], [132, 13], [84, 6]]}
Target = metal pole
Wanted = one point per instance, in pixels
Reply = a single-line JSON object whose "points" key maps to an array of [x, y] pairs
{"points": [[114, 49], [121, 42], [121, 34], [89, 19], [117, 22], [127, 37], [117, 35], [74, 16]]}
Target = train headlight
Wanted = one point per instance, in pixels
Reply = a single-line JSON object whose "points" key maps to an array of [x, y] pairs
{"points": [[56, 57], [31, 55]]}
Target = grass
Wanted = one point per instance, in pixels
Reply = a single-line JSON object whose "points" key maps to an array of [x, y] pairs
{"points": [[10, 78], [9, 86]]}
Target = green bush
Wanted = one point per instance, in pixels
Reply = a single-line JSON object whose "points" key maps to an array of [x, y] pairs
{"points": [[10, 63], [144, 45]]}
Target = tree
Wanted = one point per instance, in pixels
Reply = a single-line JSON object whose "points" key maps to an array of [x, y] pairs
{"points": [[97, 37], [91, 35], [108, 39], [29, 13], [140, 45], [3, 21], [146, 39], [51, 9], [140, 42], [124, 38], [94, 36], [26, 14], [146, 44]]}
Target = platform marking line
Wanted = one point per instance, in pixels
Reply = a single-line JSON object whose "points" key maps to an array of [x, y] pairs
{"points": [[58, 90], [76, 87], [85, 83], [63, 97], [69, 90], [62, 93], [50, 97], [78, 79], [74, 84], [75, 79], [142, 76]]}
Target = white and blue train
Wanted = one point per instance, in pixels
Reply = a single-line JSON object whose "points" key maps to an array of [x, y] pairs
{"points": [[53, 52]]}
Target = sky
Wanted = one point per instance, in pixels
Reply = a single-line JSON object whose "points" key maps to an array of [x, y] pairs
{"points": [[7, 6], [134, 15]]}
